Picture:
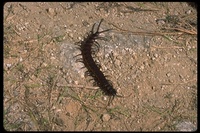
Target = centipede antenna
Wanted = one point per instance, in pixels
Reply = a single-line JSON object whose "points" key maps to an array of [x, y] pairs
{"points": [[99, 25], [105, 31], [93, 28]]}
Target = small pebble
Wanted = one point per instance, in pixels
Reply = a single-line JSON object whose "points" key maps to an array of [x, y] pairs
{"points": [[104, 98], [85, 23], [117, 62], [51, 11], [153, 58], [160, 21], [20, 59], [155, 55], [8, 65], [106, 117], [189, 12], [171, 80], [142, 67], [71, 35], [168, 74]]}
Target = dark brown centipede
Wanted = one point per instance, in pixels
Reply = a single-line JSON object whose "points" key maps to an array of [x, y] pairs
{"points": [[87, 50]]}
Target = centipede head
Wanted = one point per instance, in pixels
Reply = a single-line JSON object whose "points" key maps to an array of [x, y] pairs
{"points": [[97, 31]]}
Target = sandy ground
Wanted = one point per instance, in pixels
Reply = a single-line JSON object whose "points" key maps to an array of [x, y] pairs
{"points": [[150, 56]]}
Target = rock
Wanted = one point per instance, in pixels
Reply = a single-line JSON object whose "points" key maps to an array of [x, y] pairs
{"points": [[186, 126]]}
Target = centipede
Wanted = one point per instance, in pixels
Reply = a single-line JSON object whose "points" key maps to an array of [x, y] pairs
{"points": [[88, 47]]}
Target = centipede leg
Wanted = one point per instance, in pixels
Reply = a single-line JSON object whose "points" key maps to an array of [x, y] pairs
{"points": [[77, 43], [110, 100], [77, 55], [79, 60], [96, 44]]}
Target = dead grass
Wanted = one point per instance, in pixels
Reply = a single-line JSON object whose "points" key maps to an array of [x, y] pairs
{"points": [[38, 97]]}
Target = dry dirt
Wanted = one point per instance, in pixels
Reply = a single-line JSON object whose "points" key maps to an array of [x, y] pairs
{"points": [[150, 56]]}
